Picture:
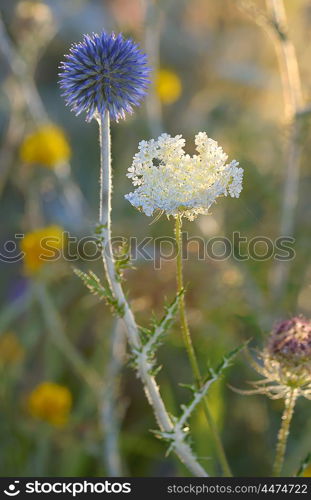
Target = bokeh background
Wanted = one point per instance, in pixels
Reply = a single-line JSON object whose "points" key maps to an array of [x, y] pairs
{"points": [[215, 69]]}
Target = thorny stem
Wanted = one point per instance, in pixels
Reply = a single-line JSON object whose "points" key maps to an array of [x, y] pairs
{"points": [[191, 353], [180, 447], [284, 432]]}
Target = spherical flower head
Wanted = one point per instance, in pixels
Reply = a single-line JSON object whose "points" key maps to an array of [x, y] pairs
{"points": [[168, 86], [171, 181], [50, 402], [47, 146], [40, 247], [290, 345], [104, 72]]}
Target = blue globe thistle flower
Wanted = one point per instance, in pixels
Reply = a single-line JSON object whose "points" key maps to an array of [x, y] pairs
{"points": [[104, 72]]}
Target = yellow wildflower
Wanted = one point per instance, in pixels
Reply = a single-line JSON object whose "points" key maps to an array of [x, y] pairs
{"points": [[168, 86], [307, 471], [47, 146], [11, 350], [41, 246], [50, 402]]}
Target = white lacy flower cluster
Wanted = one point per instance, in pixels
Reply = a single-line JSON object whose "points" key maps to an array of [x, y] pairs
{"points": [[169, 180]]}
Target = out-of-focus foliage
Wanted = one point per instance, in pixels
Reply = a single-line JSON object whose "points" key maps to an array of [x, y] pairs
{"points": [[221, 77]]}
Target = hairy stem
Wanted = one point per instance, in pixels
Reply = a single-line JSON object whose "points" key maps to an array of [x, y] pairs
{"points": [[284, 432], [180, 447], [191, 353]]}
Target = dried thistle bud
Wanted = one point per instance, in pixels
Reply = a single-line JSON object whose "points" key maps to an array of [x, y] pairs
{"points": [[285, 361]]}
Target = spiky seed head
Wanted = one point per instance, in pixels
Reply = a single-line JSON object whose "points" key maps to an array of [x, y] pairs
{"points": [[104, 72], [290, 343]]}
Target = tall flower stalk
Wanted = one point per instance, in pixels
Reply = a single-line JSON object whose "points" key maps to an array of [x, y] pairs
{"points": [[287, 416], [169, 181], [151, 388], [105, 76], [182, 309], [191, 352]]}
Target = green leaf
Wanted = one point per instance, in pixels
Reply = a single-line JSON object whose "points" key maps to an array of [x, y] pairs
{"points": [[191, 388], [123, 260], [304, 464], [228, 359], [99, 228], [152, 337], [93, 283]]}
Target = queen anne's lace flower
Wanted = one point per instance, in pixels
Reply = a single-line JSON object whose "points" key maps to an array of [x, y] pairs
{"points": [[169, 180]]}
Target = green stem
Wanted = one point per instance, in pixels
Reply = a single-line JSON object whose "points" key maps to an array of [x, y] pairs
{"points": [[284, 432], [191, 353]]}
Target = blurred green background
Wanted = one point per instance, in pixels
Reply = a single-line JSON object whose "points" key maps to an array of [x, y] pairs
{"points": [[216, 70]]}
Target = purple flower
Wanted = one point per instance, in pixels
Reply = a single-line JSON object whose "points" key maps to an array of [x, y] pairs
{"points": [[104, 72], [291, 340], [285, 361]]}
